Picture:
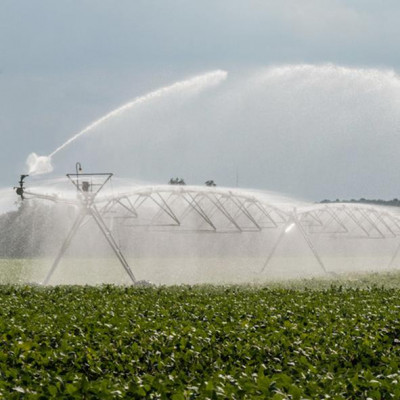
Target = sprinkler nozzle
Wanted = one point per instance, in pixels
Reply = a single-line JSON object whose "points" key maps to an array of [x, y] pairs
{"points": [[20, 189]]}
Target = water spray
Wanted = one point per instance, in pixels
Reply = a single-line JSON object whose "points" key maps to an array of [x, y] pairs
{"points": [[213, 210], [221, 210], [42, 164], [88, 189]]}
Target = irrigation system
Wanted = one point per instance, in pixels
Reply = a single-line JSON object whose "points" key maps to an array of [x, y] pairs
{"points": [[182, 208]]}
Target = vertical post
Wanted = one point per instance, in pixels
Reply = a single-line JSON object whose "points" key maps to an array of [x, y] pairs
{"points": [[297, 223], [272, 252], [309, 242], [111, 241], [78, 221]]}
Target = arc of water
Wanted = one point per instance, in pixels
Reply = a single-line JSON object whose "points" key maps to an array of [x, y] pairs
{"points": [[42, 164], [197, 83]]}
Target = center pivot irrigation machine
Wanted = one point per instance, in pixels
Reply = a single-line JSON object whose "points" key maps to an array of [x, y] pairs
{"points": [[211, 209], [88, 187]]}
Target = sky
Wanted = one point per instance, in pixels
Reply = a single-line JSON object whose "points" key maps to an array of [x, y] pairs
{"points": [[64, 64]]}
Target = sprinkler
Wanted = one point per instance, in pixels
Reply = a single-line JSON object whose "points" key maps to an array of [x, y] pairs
{"points": [[20, 189]]}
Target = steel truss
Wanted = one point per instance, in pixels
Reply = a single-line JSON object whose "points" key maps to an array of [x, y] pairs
{"points": [[88, 187], [220, 210], [211, 209]]}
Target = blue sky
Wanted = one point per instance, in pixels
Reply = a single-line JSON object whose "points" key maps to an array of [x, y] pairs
{"points": [[65, 63]]}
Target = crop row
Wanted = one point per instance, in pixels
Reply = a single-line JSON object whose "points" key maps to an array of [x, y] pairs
{"points": [[199, 342]]}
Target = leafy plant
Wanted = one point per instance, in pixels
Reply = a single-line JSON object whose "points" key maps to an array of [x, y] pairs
{"points": [[199, 342]]}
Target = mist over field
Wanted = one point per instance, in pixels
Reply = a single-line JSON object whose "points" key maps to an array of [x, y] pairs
{"points": [[199, 199]]}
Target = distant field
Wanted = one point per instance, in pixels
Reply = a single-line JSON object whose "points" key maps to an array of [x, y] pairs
{"points": [[213, 342]]}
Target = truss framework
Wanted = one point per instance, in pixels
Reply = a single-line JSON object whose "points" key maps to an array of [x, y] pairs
{"points": [[223, 210], [219, 210], [210, 210], [88, 187]]}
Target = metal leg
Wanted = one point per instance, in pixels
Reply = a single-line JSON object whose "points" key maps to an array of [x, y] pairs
{"points": [[67, 242], [306, 238], [310, 244], [111, 241], [280, 237]]}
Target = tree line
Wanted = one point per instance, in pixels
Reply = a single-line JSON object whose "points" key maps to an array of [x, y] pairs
{"points": [[393, 203]]}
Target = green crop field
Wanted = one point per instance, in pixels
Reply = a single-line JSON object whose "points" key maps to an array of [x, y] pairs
{"points": [[200, 342]]}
